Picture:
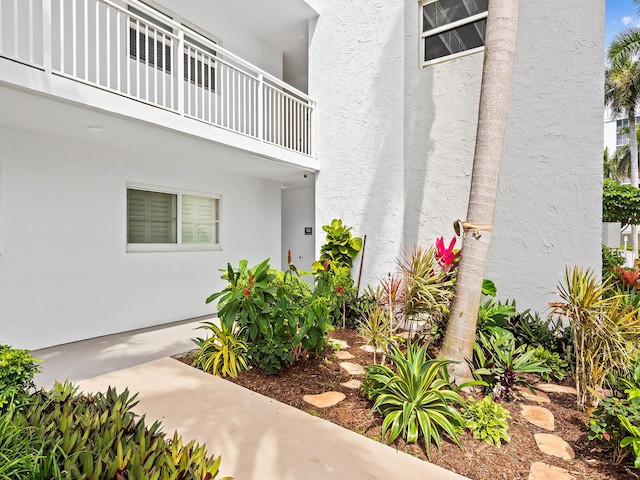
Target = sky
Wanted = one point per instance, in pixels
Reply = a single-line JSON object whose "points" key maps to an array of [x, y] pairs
{"points": [[621, 14]]}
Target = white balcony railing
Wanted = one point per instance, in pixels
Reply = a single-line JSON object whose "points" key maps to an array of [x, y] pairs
{"points": [[130, 49]]}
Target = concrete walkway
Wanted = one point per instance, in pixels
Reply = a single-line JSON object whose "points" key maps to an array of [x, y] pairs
{"points": [[258, 438]]}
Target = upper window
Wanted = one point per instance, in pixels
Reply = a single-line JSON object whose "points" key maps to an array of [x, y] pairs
{"points": [[452, 28], [153, 218], [150, 42]]}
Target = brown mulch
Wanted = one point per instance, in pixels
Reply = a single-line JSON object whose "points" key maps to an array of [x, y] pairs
{"points": [[476, 460]]}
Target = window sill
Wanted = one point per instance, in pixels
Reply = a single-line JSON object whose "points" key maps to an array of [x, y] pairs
{"points": [[163, 247], [453, 56]]}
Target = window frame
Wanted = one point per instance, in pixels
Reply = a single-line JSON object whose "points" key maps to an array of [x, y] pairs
{"points": [[444, 28], [178, 246]]}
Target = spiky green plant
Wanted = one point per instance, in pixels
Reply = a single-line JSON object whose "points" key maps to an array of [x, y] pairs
{"points": [[427, 289], [375, 329], [606, 330], [223, 352], [417, 399]]}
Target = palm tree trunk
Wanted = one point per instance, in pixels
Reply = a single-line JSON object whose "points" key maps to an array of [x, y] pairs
{"points": [[633, 146], [499, 51]]}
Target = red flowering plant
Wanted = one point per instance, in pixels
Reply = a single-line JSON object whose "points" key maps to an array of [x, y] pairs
{"points": [[627, 277], [448, 257]]}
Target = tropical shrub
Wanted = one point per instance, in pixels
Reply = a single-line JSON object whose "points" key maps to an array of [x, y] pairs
{"points": [[417, 399], [607, 424], [98, 436], [620, 203], [495, 317], [605, 328], [340, 247], [500, 364], [487, 420], [223, 352], [611, 259], [530, 329], [17, 369], [278, 318], [552, 360], [16, 457]]}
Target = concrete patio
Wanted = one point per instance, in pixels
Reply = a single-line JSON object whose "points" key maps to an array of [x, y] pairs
{"points": [[258, 438]]}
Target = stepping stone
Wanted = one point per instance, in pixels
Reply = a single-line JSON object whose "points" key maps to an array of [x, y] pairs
{"points": [[344, 355], [539, 416], [537, 396], [352, 384], [542, 471], [338, 344], [371, 349], [324, 400], [352, 368], [554, 445], [552, 388]]}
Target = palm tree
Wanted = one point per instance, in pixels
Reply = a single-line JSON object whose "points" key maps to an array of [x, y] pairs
{"points": [[626, 44], [622, 93], [610, 165], [499, 51], [617, 166]]}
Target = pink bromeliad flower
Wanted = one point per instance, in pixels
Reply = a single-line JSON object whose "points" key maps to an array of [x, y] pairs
{"points": [[446, 255]]}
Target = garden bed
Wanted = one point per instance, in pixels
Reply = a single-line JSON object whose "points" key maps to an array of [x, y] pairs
{"points": [[476, 460]]}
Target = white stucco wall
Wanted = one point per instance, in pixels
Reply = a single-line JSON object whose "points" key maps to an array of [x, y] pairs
{"points": [[550, 209], [386, 125], [356, 75], [64, 271]]}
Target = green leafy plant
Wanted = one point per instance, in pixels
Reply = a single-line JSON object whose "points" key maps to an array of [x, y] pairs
{"points": [[223, 352], [417, 399], [552, 360], [530, 329], [620, 203], [340, 246], [98, 436], [606, 424], [16, 456], [611, 259], [487, 420], [279, 317], [17, 369], [494, 317], [500, 364], [605, 327], [632, 440]]}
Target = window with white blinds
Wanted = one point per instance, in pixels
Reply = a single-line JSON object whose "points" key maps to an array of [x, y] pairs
{"points": [[199, 220], [171, 220]]}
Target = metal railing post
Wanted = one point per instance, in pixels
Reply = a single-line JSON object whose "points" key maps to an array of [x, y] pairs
{"points": [[180, 71], [47, 41]]}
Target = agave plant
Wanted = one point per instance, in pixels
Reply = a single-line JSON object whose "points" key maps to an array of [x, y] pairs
{"points": [[224, 352], [418, 399], [606, 330]]}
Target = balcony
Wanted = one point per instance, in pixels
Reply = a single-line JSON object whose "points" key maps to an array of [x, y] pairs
{"points": [[134, 51]]}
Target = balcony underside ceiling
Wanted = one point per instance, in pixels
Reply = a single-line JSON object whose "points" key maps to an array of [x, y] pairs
{"points": [[43, 115]]}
